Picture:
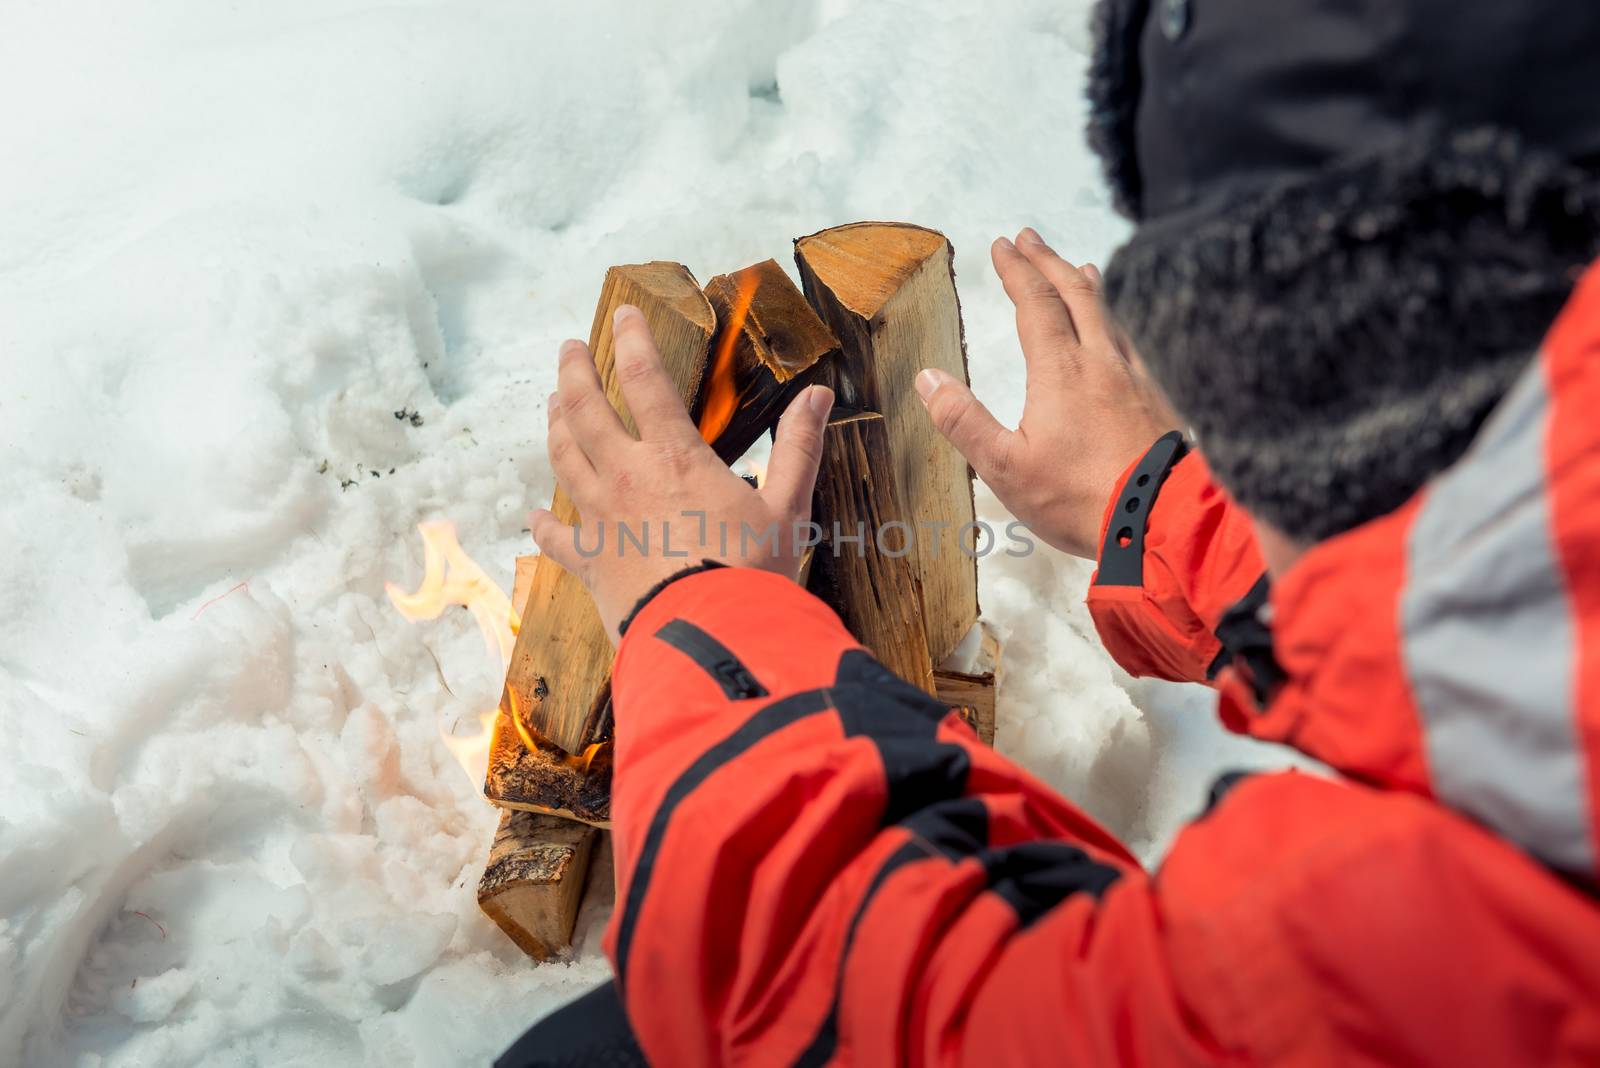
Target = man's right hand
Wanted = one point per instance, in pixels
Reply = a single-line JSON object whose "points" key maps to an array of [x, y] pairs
{"points": [[1089, 411]]}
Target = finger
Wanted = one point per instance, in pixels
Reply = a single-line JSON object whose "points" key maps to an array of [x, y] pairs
{"points": [[1091, 272], [573, 470], [1044, 325], [555, 539], [552, 409], [652, 397], [797, 451], [588, 415], [1079, 292], [966, 423]]}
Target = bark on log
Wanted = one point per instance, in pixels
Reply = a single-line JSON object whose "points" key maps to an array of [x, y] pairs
{"points": [[871, 583], [559, 666], [535, 879], [769, 343], [888, 291]]}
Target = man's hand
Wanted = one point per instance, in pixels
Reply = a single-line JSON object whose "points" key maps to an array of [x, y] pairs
{"points": [[666, 489], [1089, 412]]}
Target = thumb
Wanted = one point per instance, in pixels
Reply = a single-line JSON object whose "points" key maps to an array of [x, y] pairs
{"points": [[556, 540], [963, 420], [797, 451]]}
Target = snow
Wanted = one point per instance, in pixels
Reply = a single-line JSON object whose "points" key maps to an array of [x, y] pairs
{"points": [[235, 240]]}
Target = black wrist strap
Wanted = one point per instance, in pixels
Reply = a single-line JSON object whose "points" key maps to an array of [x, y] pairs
{"points": [[1122, 555], [650, 594]]}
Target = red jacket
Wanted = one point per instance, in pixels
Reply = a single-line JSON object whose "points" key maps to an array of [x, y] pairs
{"points": [[817, 864]]}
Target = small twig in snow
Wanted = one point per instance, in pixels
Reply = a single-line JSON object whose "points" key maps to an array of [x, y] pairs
{"points": [[155, 921], [438, 669], [245, 585]]}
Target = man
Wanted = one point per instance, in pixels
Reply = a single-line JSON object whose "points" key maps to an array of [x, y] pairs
{"points": [[1356, 276]]}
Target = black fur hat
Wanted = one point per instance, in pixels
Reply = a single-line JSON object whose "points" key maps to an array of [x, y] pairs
{"points": [[1355, 223]]}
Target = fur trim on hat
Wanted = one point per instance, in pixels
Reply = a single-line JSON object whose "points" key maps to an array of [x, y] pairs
{"points": [[1336, 342]]}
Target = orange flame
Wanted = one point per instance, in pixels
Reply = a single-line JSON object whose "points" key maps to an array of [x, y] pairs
{"points": [[722, 393], [582, 760], [451, 577]]}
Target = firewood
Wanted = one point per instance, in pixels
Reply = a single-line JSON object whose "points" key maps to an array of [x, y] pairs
{"points": [[535, 879], [530, 773], [768, 345], [522, 582], [888, 291], [561, 659], [968, 682], [534, 882], [972, 696], [871, 583]]}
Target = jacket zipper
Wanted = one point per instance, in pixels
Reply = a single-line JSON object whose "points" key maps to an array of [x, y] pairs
{"points": [[715, 658]]}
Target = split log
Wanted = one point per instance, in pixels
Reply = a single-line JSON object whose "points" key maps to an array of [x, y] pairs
{"points": [[534, 883], [888, 291], [561, 659], [541, 777], [972, 696], [535, 879], [768, 344], [522, 582], [967, 683], [871, 582]]}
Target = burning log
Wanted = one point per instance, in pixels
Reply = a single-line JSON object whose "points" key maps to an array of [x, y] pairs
{"points": [[968, 683], [768, 343], [872, 582], [534, 881], [527, 772], [556, 685], [888, 291]]}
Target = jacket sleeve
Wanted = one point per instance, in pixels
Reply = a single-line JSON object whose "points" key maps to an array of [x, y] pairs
{"points": [[1176, 556], [815, 859], [816, 864]]}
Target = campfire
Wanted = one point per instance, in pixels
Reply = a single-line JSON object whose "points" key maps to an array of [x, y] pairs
{"points": [[893, 500]]}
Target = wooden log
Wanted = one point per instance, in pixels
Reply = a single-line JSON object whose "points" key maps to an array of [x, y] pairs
{"points": [[972, 696], [968, 680], [871, 583], [768, 344], [888, 291], [535, 879], [559, 665], [534, 883], [541, 777], [522, 583]]}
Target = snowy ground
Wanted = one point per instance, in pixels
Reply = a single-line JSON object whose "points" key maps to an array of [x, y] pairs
{"points": [[234, 240]]}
